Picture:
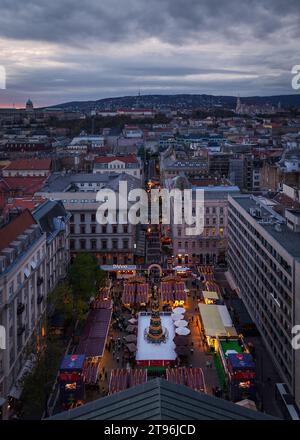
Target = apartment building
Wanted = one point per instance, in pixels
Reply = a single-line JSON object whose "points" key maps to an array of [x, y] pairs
{"points": [[28, 167], [54, 220], [115, 164], [264, 267], [111, 243], [210, 246], [23, 293]]}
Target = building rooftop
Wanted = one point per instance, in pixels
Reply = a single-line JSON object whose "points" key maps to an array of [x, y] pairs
{"points": [[159, 399], [16, 227], [29, 164], [267, 219], [59, 182], [126, 159]]}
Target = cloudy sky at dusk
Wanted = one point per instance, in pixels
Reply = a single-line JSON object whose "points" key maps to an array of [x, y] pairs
{"points": [[66, 50]]}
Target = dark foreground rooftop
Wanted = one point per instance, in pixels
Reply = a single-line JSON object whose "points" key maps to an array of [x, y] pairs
{"points": [[161, 400]]}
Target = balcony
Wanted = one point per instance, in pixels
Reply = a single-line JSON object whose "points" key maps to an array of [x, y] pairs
{"points": [[40, 281], [20, 308], [21, 330]]}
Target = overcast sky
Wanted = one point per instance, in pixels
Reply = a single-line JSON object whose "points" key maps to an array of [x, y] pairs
{"points": [[63, 50]]}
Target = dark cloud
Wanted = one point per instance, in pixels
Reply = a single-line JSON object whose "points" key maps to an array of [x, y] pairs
{"points": [[96, 48], [170, 20]]}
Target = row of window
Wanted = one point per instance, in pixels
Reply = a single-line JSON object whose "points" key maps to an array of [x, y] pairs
{"points": [[102, 229], [94, 244]]}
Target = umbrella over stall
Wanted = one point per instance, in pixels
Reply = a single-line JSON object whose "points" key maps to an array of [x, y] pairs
{"points": [[182, 331], [131, 348], [132, 321], [176, 316], [181, 323], [130, 338], [179, 310], [131, 328]]}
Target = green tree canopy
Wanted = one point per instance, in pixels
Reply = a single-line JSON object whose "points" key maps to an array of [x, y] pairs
{"points": [[86, 276]]}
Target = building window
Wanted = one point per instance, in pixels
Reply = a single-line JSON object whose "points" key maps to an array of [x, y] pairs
{"points": [[125, 244], [93, 244], [93, 217], [82, 217], [72, 244], [72, 229], [104, 244], [115, 244], [82, 244], [125, 228], [93, 229], [82, 229], [104, 229], [115, 229]]}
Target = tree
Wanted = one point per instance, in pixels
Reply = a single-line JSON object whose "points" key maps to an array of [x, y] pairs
{"points": [[86, 276], [61, 299], [38, 383]]}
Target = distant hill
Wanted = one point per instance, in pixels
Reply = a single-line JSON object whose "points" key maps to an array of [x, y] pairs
{"points": [[179, 101]]}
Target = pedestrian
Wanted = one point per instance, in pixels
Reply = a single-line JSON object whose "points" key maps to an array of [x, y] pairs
{"points": [[192, 350]]}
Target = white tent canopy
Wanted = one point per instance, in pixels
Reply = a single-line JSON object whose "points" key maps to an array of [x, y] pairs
{"points": [[179, 310], [182, 331], [176, 317], [181, 323], [216, 320]]}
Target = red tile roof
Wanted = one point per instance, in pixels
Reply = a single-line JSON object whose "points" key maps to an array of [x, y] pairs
{"points": [[286, 201], [27, 202], [17, 226], [29, 164], [22, 185], [107, 159]]}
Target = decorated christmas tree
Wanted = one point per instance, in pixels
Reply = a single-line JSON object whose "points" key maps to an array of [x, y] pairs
{"points": [[155, 331]]}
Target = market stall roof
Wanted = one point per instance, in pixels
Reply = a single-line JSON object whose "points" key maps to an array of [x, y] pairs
{"points": [[210, 294], [241, 360], [130, 338], [215, 320], [225, 316], [72, 362], [93, 339]]}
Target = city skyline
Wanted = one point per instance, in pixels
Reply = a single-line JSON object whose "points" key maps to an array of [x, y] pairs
{"points": [[109, 49]]}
